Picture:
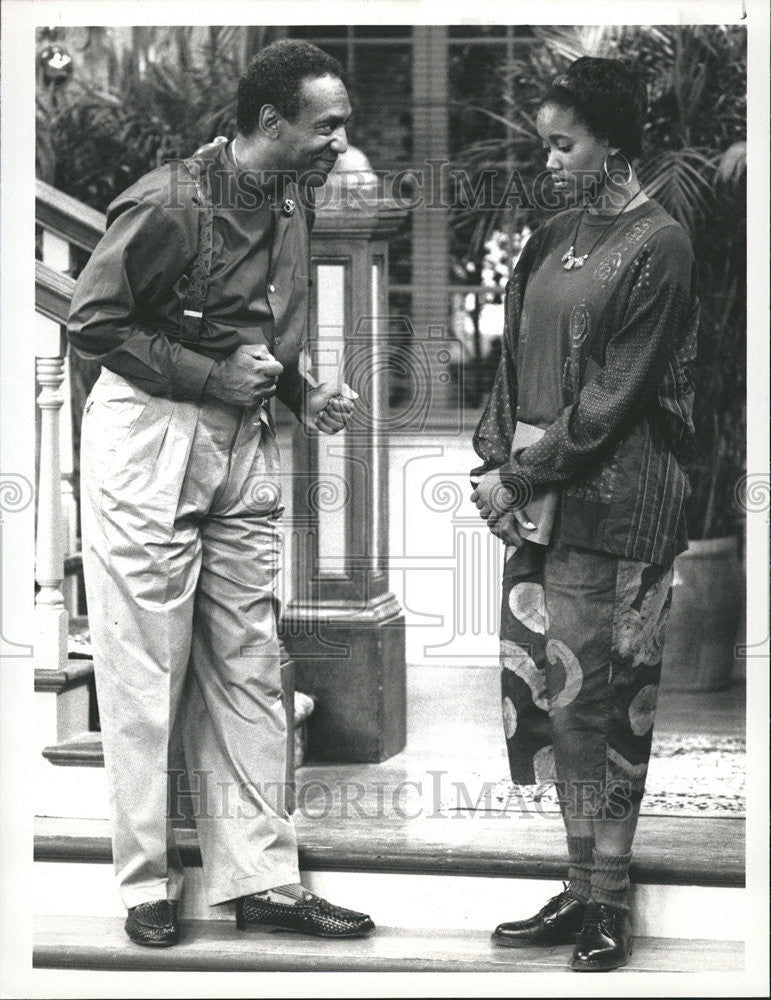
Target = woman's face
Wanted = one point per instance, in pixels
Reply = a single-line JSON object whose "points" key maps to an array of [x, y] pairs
{"points": [[575, 156]]}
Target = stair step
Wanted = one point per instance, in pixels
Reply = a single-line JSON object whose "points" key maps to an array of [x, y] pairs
{"points": [[459, 876], [668, 850], [75, 670], [436, 902], [213, 946], [84, 749]]}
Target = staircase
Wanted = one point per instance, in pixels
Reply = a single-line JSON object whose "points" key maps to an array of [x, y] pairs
{"points": [[436, 875], [208, 946], [435, 886], [422, 842], [418, 844]]}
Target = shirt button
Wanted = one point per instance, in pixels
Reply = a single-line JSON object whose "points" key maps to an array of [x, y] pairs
{"points": [[271, 288]]}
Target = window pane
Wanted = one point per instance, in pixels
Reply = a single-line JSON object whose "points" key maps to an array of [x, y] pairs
{"points": [[476, 31], [381, 94], [383, 31], [400, 254], [315, 32], [398, 342], [475, 81]]}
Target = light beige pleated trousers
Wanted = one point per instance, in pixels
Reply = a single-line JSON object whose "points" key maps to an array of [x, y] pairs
{"points": [[181, 546]]}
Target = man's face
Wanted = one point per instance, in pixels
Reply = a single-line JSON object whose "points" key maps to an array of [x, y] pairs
{"points": [[312, 142]]}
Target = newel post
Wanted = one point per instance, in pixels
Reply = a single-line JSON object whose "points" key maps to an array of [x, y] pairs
{"points": [[343, 627]]}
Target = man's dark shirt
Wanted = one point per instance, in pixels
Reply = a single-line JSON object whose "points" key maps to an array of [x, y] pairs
{"points": [[126, 315]]}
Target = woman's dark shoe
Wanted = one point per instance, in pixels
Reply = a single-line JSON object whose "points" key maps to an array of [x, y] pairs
{"points": [[558, 922], [605, 941], [153, 924], [311, 915]]}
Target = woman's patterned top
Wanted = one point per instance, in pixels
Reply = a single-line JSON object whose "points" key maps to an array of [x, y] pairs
{"points": [[621, 332]]}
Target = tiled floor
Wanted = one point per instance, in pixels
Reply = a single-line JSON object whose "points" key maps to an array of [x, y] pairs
{"points": [[454, 763], [697, 766], [453, 707]]}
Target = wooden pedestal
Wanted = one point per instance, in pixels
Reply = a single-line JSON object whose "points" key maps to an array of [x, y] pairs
{"points": [[354, 667]]}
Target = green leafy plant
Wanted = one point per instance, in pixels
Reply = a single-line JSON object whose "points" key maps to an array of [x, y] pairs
{"points": [[161, 98]]}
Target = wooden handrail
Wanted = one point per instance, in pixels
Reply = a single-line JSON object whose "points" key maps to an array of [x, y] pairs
{"points": [[67, 217], [53, 292]]}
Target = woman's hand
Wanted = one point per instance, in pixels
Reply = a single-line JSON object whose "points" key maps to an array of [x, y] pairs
{"points": [[494, 502], [491, 497], [507, 527]]}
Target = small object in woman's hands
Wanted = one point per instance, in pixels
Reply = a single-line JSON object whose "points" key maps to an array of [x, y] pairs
{"points": [[544, 508], [329, 365]]}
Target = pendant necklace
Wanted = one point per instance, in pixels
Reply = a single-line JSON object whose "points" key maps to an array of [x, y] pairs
{"points": [[569, 260]]}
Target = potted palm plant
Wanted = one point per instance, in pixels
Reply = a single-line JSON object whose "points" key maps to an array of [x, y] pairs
{"points": [[698, 174], [707, 602]]}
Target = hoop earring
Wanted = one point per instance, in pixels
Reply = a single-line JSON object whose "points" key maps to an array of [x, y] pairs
{"points": [[628, 168]]}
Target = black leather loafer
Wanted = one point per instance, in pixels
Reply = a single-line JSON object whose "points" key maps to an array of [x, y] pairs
{"points": [[558, 922], [605, 941], [154, 924], [311, 915]]}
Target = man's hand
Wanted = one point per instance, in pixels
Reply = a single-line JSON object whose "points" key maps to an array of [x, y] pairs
{"points": [[245, 378], [328, 408], [494, 502]]}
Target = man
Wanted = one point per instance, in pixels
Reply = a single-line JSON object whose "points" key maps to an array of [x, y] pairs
{"points": [[195, 303]]}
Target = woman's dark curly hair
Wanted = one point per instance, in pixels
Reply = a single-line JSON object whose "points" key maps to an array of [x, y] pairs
{"points": [[275, 76], [607, 97]]}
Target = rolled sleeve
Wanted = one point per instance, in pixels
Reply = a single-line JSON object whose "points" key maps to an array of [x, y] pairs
{"points": [[292, 388], [190, 375]]}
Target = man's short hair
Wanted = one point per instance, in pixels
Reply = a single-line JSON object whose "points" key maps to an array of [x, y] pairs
{"points": [[275, 76]]}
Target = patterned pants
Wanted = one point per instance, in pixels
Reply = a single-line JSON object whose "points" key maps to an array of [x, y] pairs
{"points": [[581, 641]]}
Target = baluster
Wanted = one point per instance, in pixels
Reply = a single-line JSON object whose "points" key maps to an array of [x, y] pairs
{"points": [[50, 612], [69, 502], [57, 254]]}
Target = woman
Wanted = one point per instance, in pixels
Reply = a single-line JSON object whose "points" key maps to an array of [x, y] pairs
{"points": [[601, 321]]}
